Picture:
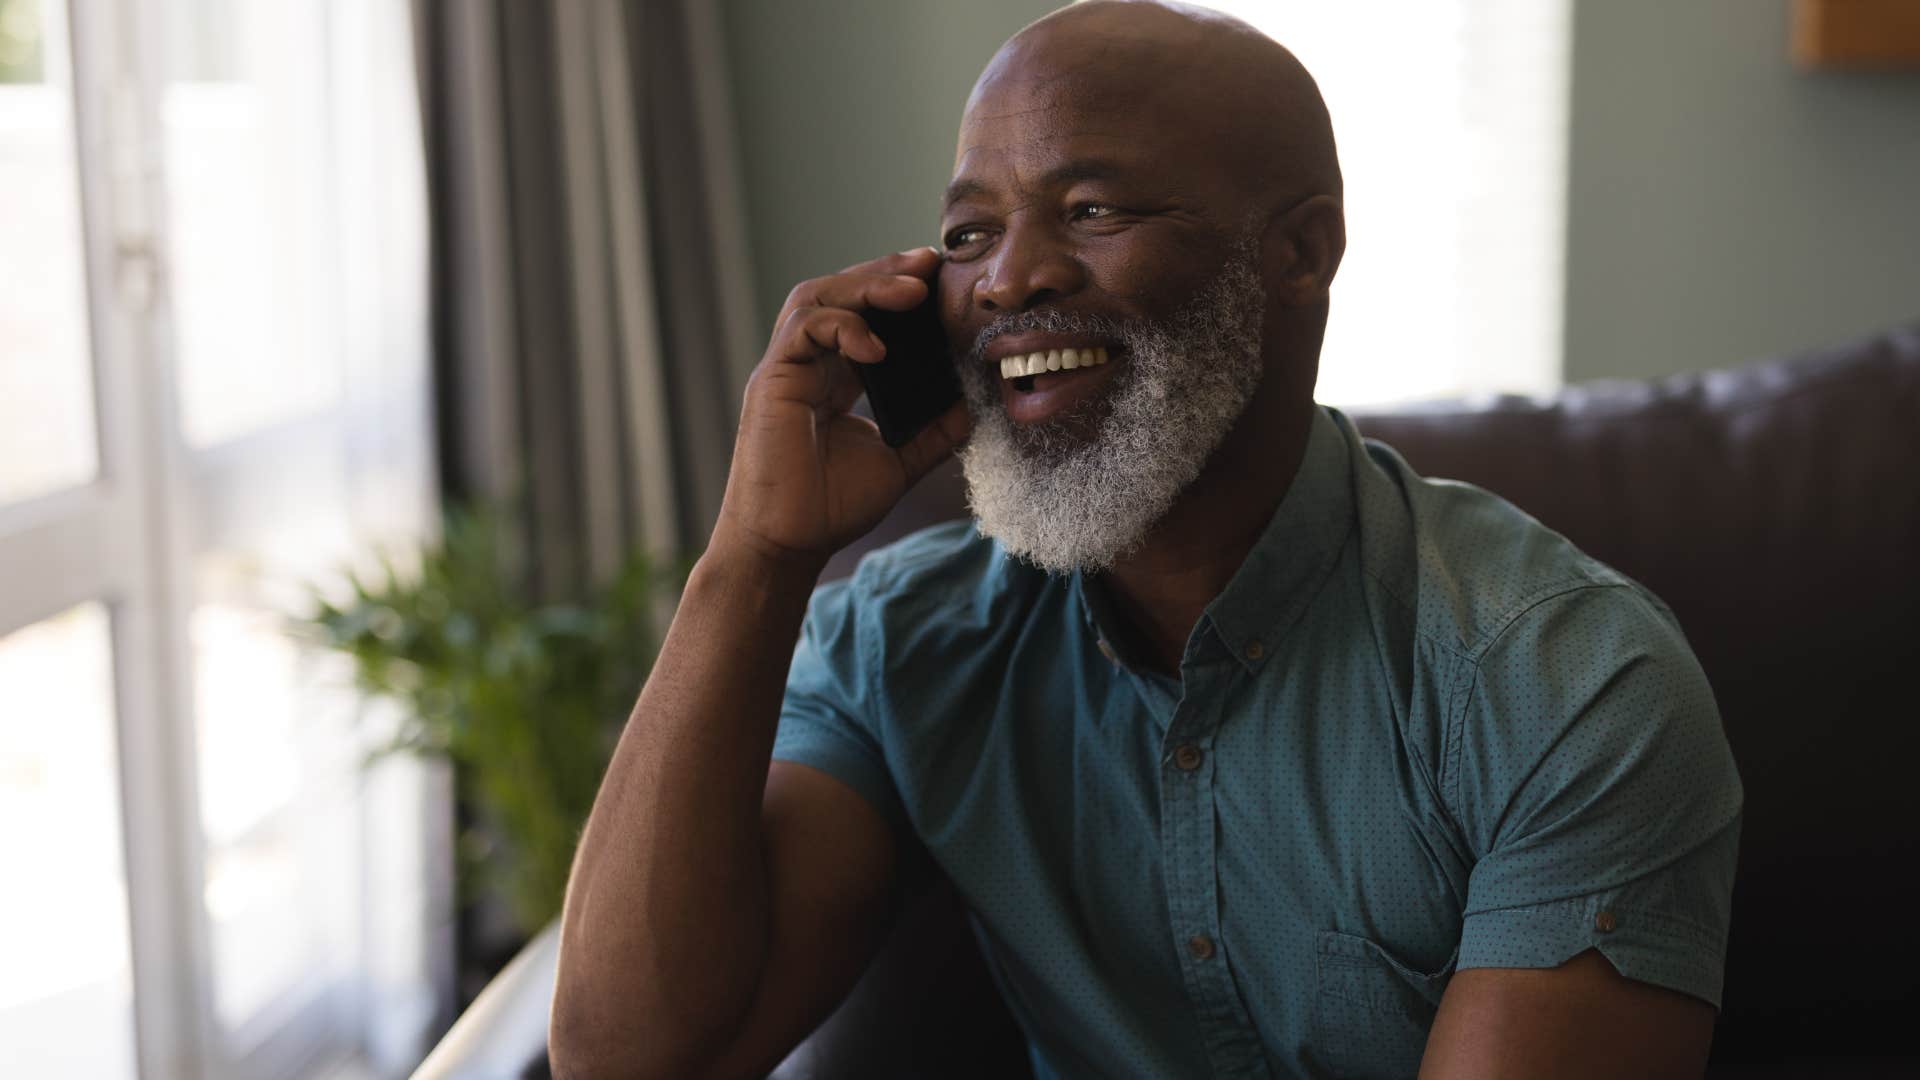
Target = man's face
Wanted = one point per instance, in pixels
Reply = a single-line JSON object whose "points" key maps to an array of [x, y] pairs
{"points": [[1085, 217], [1080, 195]]}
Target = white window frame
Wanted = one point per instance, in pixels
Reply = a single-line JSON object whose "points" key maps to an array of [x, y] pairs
{"points": [[129, 538]]}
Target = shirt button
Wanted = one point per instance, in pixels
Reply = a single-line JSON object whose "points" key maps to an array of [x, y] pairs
{"points": [[1188, 757], [1605, 922], [1201, 946], [1106, 650], [1255, 650]]}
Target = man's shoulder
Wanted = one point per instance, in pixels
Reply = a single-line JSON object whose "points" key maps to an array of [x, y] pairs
{"points": [[1475, 565], [937, 572], [941, 556], [930, 605]]}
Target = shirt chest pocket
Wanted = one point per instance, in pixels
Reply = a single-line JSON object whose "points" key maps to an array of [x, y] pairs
{"points": [[1371, 1012]]}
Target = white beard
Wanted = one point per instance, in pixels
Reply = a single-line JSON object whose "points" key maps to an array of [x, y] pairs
{"points": [[1065, 505]]}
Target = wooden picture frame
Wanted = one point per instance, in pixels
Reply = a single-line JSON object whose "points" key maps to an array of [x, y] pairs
{"points": [[1862, 34]]}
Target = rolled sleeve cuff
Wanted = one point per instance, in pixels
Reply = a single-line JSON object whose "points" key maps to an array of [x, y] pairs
{"points": [[1642, 945], [851, 764]]}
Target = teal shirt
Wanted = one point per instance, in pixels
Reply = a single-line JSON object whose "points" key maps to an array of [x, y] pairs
{"points": [[1417, 732]]}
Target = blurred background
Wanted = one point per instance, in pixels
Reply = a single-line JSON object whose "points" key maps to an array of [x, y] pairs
{"points": [[282, 281]]}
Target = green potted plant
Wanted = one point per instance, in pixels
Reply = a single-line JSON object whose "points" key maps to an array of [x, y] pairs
{"points": [[524, 698]]}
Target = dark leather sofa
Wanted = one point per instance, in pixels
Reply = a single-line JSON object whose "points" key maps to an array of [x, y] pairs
{"points": [[1776, 508]]}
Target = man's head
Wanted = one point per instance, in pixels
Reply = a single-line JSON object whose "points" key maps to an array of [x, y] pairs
{"points": [[1158, 182]]}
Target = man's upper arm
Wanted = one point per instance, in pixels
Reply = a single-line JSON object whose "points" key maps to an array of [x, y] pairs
{"points": [[832, 875], [1598, 792], [831, 830], [1581, 1019]]}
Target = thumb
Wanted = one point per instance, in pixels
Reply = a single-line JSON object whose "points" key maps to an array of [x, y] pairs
{"points": [[936, 442]]}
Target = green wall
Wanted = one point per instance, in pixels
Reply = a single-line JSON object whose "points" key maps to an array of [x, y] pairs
{"points": [[1723, 205], [848, 111]]}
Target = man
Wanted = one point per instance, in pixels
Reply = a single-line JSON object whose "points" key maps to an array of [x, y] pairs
{"points": [[1252, 753]]}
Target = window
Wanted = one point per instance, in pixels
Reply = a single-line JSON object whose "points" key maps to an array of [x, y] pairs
{"points": [[46, 385], [66, 990], [1451, 120], [212, 391]]}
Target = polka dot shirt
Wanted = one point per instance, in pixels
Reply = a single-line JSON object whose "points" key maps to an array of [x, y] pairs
{"points": [[1417, 732]]}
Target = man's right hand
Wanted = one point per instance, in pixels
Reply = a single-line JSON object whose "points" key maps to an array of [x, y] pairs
{"points": [[808, 477], [722, 903]]}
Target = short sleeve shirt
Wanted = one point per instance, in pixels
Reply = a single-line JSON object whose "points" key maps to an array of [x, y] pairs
{"points": [[1417, 732]]}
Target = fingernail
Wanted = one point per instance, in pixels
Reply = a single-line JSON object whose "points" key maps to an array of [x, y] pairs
{"points": [[918, 250]]}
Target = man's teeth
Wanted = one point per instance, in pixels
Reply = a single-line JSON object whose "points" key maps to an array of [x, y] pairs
{"points": [[1034, 363]]}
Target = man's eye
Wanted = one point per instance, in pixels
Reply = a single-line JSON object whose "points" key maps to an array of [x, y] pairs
{"points": [[963, 237], [1093, 211]]}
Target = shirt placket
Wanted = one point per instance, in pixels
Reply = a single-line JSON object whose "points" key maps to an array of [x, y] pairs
{"points": [[1187, 776]]}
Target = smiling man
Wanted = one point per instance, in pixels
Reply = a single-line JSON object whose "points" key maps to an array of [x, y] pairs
{"points": [[1251, 752]]}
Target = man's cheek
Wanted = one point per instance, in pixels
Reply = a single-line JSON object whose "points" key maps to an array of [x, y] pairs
{"points": [[954, 287]]}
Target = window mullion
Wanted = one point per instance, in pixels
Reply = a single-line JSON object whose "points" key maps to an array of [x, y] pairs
{"points": [[116, 78]]}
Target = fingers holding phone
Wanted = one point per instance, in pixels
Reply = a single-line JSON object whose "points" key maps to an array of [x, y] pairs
{"points": [[808, 477]]}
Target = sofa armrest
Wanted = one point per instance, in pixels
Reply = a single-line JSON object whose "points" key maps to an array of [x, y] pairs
{"points": [[504, 1032], [926, 1008]]}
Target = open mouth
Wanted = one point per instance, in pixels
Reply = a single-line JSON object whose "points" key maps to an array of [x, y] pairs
{"points": [[1029, 371], [1048, 384]]}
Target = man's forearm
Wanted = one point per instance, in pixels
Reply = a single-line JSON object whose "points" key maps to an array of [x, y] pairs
{"points": [[664, 937]]}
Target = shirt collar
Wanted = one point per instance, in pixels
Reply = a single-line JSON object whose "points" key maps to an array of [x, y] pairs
{"points": [[1300, 544]]}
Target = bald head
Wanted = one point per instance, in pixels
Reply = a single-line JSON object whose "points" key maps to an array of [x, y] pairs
{"points": [[1240, 98]]}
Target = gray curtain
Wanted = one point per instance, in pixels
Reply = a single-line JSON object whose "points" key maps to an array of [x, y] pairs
{"points": [[592, 313]]}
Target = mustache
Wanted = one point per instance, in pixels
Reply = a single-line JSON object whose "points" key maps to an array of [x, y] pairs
{"points": [[1047, 320]]}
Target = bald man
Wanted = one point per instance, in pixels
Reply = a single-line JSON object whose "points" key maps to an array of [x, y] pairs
{"points": [[1251, 752]]}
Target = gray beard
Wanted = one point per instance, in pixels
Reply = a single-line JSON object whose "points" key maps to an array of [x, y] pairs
{"points": [[1062, 503]]}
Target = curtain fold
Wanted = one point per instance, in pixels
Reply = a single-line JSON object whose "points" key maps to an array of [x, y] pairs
{"points": [[591, 305], [590, 308]]}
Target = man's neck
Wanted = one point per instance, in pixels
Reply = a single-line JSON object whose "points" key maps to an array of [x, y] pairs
{"points": [[1162, 590]]}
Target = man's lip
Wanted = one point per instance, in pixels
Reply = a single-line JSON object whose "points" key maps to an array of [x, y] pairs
{"points": [[1024, 343]]}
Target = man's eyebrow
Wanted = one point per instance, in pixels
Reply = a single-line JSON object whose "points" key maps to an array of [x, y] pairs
{"points": [[1067, 173], [963, 189]]}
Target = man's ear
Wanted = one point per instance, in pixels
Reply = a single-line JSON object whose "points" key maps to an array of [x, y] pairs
{"points": [[1302, 248]]}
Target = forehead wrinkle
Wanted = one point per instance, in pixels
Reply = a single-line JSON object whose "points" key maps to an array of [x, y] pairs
{"points": [[1096, 70], [1006, 115], [1051, 146], [1075, 168], [1088, 85], [1020, 117]]}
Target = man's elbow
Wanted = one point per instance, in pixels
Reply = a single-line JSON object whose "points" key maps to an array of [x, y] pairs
{"points": [[585, 1042]]}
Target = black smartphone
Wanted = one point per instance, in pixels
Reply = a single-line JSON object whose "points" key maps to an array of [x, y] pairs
{"points": [[916, 382]]}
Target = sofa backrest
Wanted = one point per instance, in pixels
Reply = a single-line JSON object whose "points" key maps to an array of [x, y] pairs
{"points": [[1776, 509]]}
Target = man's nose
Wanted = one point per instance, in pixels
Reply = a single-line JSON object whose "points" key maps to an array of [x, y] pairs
{"points": [[1028, 267]]}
